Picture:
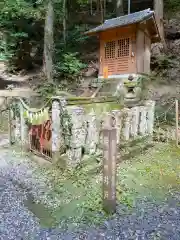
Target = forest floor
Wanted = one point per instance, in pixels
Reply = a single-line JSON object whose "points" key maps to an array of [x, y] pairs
{"points": [[42, 202]]}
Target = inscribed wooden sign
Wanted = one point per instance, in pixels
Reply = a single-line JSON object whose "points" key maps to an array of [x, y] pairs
{"points": [[109, 170], [105, 72]]}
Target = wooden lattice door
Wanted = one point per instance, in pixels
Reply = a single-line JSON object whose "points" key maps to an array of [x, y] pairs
{"points": [[117, 56], [123, 55], [110, 57]]}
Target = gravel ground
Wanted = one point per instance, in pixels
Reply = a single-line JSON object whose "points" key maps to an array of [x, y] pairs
{"points": [[148, 220]]}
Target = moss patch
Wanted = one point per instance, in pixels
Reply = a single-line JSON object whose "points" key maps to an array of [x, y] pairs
{"points": [[100, 108], [154, 174], [78, 193]]}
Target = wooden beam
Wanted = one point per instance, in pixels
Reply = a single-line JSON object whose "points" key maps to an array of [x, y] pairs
{"points": [[159, 15], [150, 29], [140, 51]]}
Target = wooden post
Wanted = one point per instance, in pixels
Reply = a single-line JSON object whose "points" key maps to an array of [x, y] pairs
{"points": [[118, 120], [109, 170], [177, 122]]}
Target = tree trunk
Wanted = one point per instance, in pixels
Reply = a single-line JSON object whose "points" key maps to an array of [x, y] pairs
{"points": [[49, 42], [91, 8], [64, 20], [119, 7], [102, 11], [98, 5]]}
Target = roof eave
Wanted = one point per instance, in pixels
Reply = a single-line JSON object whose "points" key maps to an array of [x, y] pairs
{"points": [[89, 33], [157, 38], [93, 32]]}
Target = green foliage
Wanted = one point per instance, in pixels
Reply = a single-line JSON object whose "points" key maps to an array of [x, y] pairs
{"points": [[171, 6], [83, 2], [66, 74], [47, 89], [142, 86], [160, 66], [76, 37], [162, 62], [22, 26], [164, 115], [18, 24], [69, 66], [3, 51], [67, 63], [14, 9]]}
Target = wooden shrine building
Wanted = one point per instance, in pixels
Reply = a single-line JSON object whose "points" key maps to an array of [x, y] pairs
{"points": [[125, 44]]}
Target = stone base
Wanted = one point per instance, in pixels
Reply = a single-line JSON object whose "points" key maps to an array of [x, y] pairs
{"points": [[131, 89]]}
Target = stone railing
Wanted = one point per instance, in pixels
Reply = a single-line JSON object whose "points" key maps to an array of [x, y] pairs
{"points": [[75, 131], [130, 123]]}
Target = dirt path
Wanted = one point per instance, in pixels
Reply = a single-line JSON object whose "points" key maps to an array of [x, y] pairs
{"points": [[19, 86]]}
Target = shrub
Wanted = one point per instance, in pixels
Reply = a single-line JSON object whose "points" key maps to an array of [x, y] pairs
{"points": [[171, 6], [69, 66]]}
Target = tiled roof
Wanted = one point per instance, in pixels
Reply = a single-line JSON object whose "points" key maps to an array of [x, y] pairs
{"points": [[124, 20]]}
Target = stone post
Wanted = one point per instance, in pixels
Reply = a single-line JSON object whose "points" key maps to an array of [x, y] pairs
{"points": [[143, 121], [23, 128], [57, 139], [11, 125], [92, 138], [108, 121], [17, 123], [127, 120], [135, 121], [78, 135], [150, 116]]}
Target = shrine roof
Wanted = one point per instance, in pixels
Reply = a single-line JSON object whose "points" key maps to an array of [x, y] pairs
{"points": [[123, 21]]}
